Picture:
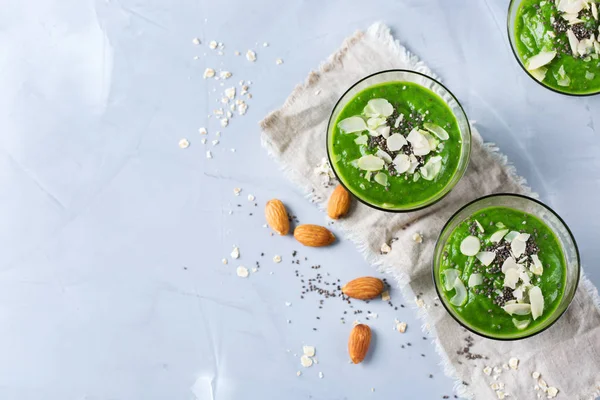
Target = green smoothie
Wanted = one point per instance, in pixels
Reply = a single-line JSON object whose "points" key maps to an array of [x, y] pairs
{"points": [[557, 42], [503, 272], [395, 145]]}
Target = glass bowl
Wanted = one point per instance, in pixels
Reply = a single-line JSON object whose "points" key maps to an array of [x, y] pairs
{"points": [[400, 75], [543, 213], [513, 8]]}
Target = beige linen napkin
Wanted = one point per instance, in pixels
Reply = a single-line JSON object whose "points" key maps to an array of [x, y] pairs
{"points": [[567, 355]]}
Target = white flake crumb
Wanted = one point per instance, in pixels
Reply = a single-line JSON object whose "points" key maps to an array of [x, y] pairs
{"points": [[224, 122], [501, 395], [419, 302], [213, 45], [224, 261], [288, 304], [495, 386], [513, 363], [196, 41], [230, 93], [552, 392], [487, 371], [215, 142], [251, 197], [184, 144], [202, 131], [373, 315], [242, 272], [233, 150], [237, 191], [277, 259], [506, 367], [535, 375], [251, 56], [242, 107], [225, 74], [298, 373], [265, 44], [254, 270], [401, 327], [237, 53], [209, 73], [218, 133], [417, 237], [321, 375], [385, 296], [308, 351], [306, 361], [385, 248], [208, 154], [229, 114], [279, 61], [317, 92], [235, 253]]}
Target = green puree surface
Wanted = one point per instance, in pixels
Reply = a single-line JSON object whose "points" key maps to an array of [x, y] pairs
{"points": [[402, 191], [532, 25], [475, 313]]}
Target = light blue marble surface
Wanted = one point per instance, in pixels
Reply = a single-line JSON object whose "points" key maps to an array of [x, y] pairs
{"points": [[101, 212]]}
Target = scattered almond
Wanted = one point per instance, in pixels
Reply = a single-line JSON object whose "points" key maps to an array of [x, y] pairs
{"points": [[313, 235], [339, 203], [364, 288], [358, 343], [277, 217]]}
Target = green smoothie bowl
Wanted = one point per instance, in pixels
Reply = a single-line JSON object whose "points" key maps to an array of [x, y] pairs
{"points": [[506, 267], [398, 140], [556, 43]]}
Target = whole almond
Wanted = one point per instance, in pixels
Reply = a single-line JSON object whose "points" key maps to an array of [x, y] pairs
{"points": [[277, 217], [364, 288], [358, 343], [339, 203], [313, 235]]}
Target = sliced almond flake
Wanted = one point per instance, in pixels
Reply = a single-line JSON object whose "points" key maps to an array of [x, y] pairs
{"points": [[362, 140], [419, 143], [539, 60], [460, 297], [594, 11], [509, 263], [432, 168], [537, 302], [384, 131], [517, 308], [521, 324], [384, 156], [251, 56], [432, 142], [518, 247], [513, 363], [486, 257], [475, 280], [470, 246], [352, 124], [450, 275], [398, 120], [402, 163], [306, 361], [395, 142], [539, 73], [308, 351], [573, 41], [511, 277], [381, 178], [242, 272], [436, 130], [375, 122], [370, 163], [511, 236], [381, 107], [537, 267], [498, 235]]}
